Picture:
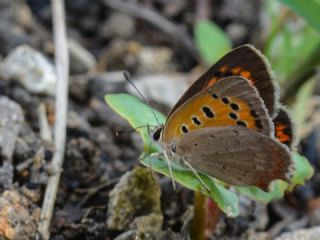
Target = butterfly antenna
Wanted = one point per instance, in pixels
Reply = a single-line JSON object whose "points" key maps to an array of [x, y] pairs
{"points": [[127, 77], [170, 170]]}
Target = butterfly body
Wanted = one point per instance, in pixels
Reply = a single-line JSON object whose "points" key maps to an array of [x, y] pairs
{"points": [[224, 125]]}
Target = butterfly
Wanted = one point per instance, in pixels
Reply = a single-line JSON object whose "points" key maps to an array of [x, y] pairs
{"points": [[230, 125]]}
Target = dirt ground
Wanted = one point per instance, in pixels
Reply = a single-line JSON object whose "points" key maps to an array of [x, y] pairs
{"points": [[99, 162]]}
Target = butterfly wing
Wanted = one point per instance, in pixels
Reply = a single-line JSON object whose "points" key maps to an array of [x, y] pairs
{"points": [[284, 131], [236, 155], [232, 101], [245, 61]]}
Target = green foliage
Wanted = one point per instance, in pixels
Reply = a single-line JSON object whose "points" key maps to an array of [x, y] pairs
{"points": [[308, 9], [211, 41], [289, 42], [139, 114], [303, 170]]}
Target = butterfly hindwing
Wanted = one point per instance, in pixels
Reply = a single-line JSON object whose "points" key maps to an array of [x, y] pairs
{"points": [[236, 155], [245, 61], [283, 128], [220, 105]]}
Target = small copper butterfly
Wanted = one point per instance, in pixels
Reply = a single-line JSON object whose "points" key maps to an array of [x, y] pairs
{"points": [[230, 125]]}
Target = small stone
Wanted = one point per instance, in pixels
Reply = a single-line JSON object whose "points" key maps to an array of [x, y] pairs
{"points": [[31, 68], [81, 60], [161, 235], [110, 28], [154, 60], [11, 119], [163, 88], [237, 32], [305, 234], [111, 82], [6, 175], [77, 126], [149, 223], [136, 195], [16, 223]]}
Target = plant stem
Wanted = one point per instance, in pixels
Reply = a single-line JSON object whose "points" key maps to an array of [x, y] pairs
{"points": [[206, 216], [198, 225]]}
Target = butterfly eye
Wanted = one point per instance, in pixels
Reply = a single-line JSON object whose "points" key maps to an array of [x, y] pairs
{"points": [[156, 135]]}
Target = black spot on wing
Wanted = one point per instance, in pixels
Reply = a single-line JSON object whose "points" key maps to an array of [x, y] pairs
{"points": [[225, 100], [233, 115], [234, 106], [241, 123], [184, 129], [196, 121], [208, 112]]}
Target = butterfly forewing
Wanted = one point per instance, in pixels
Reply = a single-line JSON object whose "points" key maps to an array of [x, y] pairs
{"points": [[245, 61], [230, 102], [236, 155]]}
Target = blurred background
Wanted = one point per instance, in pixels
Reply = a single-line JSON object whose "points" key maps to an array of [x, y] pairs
{"points": [[165, 45]]}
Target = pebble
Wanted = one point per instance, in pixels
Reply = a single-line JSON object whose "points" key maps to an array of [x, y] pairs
{"points": [[135, 198], [163, 88], [16, 223], [11, 119], [31, 68], [305, 234]]}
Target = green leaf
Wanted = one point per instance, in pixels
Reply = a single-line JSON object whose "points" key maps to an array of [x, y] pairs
{"points": [[277, 190], [138, 114], [211, 41], [308, 9], [300, 107], [303, 170], [226, 199]]}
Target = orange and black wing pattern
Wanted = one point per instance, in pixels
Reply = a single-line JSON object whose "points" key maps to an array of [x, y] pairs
{"points": [[283, 128], [245, 61]]}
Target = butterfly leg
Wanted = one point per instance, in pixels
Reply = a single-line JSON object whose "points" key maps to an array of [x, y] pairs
{"points": [[197, 175], [170, 170]]}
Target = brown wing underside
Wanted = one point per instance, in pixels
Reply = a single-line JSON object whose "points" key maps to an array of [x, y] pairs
{"points": [[236, 155]]}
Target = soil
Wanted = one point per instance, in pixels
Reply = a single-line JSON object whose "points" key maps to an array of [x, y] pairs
{"points": [[97, 157]]}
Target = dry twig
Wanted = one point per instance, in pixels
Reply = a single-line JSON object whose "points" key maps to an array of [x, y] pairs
{"points": [[62, 67]]}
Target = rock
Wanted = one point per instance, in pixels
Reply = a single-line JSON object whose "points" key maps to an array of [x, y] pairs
{"points": [[31, 68], [11, 119], [237, 32], [77, 126], [81, 60], [148, 223], [6, 175], [163, 235], [111, 82], [153, 60], [78, 88], [305, 234], [137, 193], [110, 28], [16, 222], [163, 88]]}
